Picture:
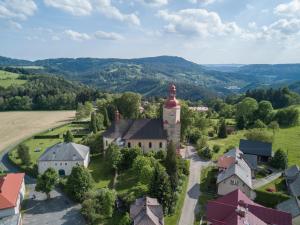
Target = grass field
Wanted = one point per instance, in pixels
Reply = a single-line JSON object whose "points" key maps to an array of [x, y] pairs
{"points": [[15, 126], [7, 79]]}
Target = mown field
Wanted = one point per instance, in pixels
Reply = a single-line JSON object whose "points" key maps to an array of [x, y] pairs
{"points": [[7, 79], [15, 126]]}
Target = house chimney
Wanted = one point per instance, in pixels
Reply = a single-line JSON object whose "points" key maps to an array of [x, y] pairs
{"points": [[241, 213]]}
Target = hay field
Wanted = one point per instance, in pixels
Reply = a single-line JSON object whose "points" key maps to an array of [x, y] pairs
{"points": [[15, 126]]}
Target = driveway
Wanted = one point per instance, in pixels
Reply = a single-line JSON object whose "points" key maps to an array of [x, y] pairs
{"points": [[58, 210], [191, 206], [266, 180]]}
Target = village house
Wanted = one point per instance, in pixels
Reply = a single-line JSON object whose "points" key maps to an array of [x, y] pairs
{"points": [[230, 157], [146, 211], [148, 134], [63, 157], [292, 176], [236, 208], [262, 150], [12, 192], [236, 176]]}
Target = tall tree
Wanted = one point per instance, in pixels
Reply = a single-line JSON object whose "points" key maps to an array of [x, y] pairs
{"points": [[129, 105], [79, 182], [24, 155], [68, 137], [106, 120], [171, 165], [280, 160], [93, 123], [222, 129], [47, 181], [114, 156], [246, 109], [264, 111]]}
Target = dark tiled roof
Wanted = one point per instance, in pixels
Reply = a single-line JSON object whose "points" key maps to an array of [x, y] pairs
{"points": [[117, 130], [256, 148], [146, 129], [225, 210], [251, 160]]}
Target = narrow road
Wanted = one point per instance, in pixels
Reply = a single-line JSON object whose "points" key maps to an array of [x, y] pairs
{"points": [[191, 207]]}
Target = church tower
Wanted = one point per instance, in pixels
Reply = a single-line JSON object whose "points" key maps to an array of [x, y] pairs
{"points": [[171, 116]]}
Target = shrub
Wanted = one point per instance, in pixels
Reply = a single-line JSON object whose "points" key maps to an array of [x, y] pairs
{"points": [[205, 153], [24, 155], [269, 199], [279, 160], [216, 148], [259, 135]]}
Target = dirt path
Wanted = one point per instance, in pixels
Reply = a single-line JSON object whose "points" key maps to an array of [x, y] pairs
{"points": [[191, 207], [15, 126]]}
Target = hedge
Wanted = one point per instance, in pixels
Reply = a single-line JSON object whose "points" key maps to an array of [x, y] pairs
{"points": [[46, 136], [270, 199], [80, 122]]}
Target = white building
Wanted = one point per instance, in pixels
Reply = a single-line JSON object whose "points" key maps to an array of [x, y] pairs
{"points": [[63, 157], [12, 192]]}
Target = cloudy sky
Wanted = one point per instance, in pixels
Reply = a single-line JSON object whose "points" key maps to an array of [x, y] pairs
{"points": [[204, 31]]}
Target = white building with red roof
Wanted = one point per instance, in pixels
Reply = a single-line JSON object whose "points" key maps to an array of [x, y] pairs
{"points": [[12, 192], [236, 208]]}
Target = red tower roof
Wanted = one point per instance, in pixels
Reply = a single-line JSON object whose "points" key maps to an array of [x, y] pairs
{"points": [[172, 102]]}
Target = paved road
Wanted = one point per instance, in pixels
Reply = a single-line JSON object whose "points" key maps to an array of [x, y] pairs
{"points": [[263, 181], [191, 206]]}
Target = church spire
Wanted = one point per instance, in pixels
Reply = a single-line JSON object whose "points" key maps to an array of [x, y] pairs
{"points": [[172, 101]]}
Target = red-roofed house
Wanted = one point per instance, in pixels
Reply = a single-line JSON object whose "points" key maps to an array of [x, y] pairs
{"points": [[236, 208], [12, 191]]}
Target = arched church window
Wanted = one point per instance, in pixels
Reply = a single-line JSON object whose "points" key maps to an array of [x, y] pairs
{"points": [[160, 144], [150, 144], [129, 145]]}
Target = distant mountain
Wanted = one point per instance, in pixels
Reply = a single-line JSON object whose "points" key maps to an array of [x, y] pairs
{"points": [[150, 76]]}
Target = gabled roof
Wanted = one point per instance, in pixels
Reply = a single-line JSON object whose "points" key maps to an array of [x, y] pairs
{"points": [[295, 186], [65, 152], [236, 208], [292, 171], [258, 148], [10, 186], [251, 160], [241, 169], [118, 129], [146, 129], [146, 211]]}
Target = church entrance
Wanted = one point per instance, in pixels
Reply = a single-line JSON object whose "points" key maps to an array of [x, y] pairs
{"points": [[62, 173]]}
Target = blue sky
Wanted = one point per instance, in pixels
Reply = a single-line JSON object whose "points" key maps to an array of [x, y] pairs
{"points": [[204, 31]]}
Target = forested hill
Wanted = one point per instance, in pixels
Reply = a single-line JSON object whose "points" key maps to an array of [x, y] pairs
{"points": [[150, 76]]}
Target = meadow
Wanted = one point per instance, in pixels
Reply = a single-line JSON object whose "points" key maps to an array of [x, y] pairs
{"points": [[7, 79]]}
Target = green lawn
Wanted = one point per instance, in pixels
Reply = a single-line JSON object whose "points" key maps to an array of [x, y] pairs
{"points": [[101, 172], [278, 185], [174, 219], [7, 79]]}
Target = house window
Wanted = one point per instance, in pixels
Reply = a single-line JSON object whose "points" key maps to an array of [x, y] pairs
{"points": [[129, 145], [66, 164], [234, 182], [61, 164], [140, 144], [160, 145], [150, 144]]}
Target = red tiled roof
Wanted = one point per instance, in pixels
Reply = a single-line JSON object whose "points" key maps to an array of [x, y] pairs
{"points": [[236, 208], [10, 186]]}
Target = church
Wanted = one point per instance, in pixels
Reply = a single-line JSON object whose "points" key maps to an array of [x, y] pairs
{"points": [[148, 134]]}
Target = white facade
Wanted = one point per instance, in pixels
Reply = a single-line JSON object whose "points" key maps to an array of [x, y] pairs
{"points": [[147, 144], [62, 167], [233, 183]]}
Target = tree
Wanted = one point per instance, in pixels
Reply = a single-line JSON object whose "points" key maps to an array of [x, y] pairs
{"points": [[280, 160], [171, 165], [160, 188], [79, 182], [128, 157], [105, 202], [88, 210], [206, 153], [246, 109], [259, 124], [216, 148], [24, 155], [129, 105], [202, 143], [222, 129], [93, 123], [259, 135], [264, 111], [287, 117], [125, 220], [274, 126], [114, 156], [241, 122], [95, 142], [106, 121], [68, 137], [47, 181], [144, 168]]}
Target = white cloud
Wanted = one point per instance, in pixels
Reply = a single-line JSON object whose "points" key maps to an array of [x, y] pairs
{"points": [[290, 9], [75, 7], [107, 35], [18, 9], [14, 25], [107, 9], [252, 25], [285, 27], [197, 21], [77, 36], [155, 2], [206, 2], [250, 7]]}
